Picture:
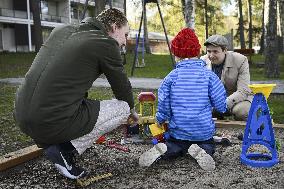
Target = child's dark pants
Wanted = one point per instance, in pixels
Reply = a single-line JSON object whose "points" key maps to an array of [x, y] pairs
{"points": [[176, 147]]}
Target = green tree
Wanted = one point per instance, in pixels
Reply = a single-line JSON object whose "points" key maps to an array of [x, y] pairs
{"points": [[241, 25], [281, 17], [173, 24], [145, 28], [271, 50]]}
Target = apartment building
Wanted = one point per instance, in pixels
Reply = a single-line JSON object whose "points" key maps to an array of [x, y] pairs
{"points": [[16, 20]]}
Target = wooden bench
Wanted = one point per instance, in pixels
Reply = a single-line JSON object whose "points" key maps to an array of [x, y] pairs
{"points": [[246, 52]]}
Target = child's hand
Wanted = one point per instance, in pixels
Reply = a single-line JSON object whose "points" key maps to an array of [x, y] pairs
{"points": [[160, 125]]}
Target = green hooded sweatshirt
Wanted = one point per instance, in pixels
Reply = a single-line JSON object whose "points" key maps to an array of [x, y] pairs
{"points": [[51, 105]]}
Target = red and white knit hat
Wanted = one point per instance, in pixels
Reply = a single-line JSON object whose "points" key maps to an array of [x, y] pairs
{"points": [[185, 44]]}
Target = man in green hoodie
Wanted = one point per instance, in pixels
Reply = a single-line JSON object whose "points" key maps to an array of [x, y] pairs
{"points": [[51, 105]]}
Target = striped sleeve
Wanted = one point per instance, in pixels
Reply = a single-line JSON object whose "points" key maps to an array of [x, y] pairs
{"points": [[217, 93], [164, 109]]}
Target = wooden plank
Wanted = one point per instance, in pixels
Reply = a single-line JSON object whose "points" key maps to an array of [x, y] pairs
{"points": [[235, 124], [18, 157]]}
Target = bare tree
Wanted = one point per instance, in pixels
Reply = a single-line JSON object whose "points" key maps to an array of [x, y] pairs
{"points": [[99, 6], [241, 25], [35, 7], [271, 50]]}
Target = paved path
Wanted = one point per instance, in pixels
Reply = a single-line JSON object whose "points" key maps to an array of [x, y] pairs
{"points": [[148, 83]]}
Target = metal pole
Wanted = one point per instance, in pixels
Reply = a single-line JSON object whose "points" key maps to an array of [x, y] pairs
{"points": [[172, 58], [29, 25]]}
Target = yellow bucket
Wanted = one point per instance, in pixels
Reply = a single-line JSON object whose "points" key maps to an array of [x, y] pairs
{"points": [[265, 89], [156, 130]]}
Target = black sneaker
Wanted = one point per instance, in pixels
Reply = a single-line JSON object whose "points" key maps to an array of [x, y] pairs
{"points": [[64, 162]]}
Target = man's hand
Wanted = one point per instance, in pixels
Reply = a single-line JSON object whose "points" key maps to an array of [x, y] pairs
{"points": [[133, 117]]}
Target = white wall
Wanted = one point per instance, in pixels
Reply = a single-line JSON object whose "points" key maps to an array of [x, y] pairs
{"points": [[9, 39], [6, 4], [64, 11]]}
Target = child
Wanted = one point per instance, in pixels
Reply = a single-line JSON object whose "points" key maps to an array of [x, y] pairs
{"points": [[185, 100]]}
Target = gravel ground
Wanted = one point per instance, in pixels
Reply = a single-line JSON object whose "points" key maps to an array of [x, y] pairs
{"points": [[182, 172]]}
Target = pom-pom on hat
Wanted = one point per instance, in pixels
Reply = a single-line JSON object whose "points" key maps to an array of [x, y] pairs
{"points": [[185, 44]]}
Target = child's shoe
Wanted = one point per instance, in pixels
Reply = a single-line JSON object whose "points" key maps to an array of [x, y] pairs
{"points": [[222, 140], [150, 156], [205, 161]]}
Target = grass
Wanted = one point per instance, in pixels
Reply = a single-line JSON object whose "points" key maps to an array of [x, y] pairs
{"points": [[9, 132], [257, 73], [15, 64], [157, 66]]}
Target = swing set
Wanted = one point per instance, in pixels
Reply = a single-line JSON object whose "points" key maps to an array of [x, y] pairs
{"points": [[135, 60]]}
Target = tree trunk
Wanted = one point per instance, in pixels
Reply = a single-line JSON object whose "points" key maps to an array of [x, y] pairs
{"points": [[261, 50], [145, 28], [85, 9], [281, 17], [189, 13], [35, 7], [110, 3], [271, 50], [99, 7], [206, 19], [241, 25], [250, 24], [124, 7]]}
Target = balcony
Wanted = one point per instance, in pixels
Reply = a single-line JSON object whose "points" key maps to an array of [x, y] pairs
{"points": [[24, 15], [91, 2], [13, 13], [51, 18]]}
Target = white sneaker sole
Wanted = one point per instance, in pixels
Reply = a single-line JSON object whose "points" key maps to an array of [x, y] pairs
{"points": [[150, 156], [63, 171], [205, 161]]}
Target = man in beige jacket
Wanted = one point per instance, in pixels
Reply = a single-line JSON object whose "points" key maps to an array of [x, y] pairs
{"points": [[233, 70]]}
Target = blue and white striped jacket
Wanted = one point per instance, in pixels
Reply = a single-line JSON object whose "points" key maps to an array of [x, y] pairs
{"points": [[186, 98]]}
